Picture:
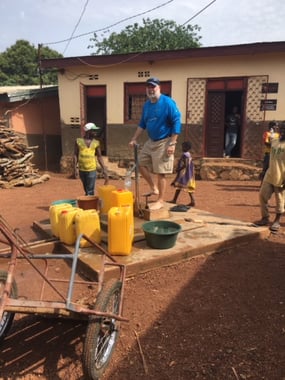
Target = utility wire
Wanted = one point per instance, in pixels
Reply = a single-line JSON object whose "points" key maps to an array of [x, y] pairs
{"points": [[128, 59], [76, 26], [196, 14], [109, 26]]}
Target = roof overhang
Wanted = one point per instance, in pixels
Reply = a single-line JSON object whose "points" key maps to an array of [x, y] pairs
{"points": [[201, 52]]}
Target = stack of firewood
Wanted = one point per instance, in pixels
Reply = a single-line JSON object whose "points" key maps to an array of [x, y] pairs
{"points": [[16, 168]]}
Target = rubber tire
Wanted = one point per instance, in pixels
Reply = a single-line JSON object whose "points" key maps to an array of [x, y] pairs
{"points": [[7, 318], [107, 301]]}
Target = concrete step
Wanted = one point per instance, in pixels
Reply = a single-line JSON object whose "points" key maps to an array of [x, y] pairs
{"points": [[232, 169]]}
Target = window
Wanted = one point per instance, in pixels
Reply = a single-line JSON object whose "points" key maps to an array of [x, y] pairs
{"points": [[135, 97], [135, 104]]}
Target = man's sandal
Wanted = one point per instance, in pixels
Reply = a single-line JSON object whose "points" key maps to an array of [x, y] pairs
{"points": [[275, 227], [149, 194]]}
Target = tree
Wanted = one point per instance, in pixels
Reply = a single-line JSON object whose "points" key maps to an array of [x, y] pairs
{"points": [[19, 65], [153, 35]]}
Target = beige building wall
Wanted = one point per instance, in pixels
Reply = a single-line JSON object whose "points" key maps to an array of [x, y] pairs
{"points": [[115, 76]]}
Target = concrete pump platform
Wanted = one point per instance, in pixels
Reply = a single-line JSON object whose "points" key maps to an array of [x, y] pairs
{"points": [[202, 233]]}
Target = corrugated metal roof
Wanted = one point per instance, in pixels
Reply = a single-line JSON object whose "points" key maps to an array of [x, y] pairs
{"points": [[20, 93]]}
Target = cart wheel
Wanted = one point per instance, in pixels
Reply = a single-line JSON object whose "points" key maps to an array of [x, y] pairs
{"points": [[7, 317], [102, 333]]}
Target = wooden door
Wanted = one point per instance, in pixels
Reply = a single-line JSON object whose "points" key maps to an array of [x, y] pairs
{"points": [[214, 136]]}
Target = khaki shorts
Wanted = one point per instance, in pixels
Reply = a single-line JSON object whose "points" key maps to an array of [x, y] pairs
{"points": [[153, 155]]}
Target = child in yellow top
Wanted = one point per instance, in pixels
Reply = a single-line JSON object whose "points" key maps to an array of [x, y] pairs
{"points": [[86, 153], [267, 137]]}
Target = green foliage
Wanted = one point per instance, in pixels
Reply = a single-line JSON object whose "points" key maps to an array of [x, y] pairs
{"points": [[153, 35], [19, 65]]}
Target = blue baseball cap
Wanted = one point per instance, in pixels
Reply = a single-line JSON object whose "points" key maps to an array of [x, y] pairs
{"points": [[153, 82]]}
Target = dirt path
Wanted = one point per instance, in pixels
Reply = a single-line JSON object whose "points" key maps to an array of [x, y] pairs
{"points": [[220, 317]]}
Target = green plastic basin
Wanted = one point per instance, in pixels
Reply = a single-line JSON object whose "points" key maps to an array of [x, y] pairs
{"points": [[161, 234]]}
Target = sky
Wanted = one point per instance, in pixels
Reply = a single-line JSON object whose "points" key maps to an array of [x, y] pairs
{"points": [[222, 22]]}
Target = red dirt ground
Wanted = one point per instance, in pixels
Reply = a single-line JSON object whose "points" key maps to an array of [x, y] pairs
{"points": [[220, 317]]}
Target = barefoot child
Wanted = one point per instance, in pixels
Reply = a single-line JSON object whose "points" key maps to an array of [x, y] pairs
{"points": [[185, 177]]}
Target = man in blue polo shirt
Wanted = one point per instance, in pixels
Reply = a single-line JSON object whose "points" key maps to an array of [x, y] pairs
{"points": [[161, 119]]}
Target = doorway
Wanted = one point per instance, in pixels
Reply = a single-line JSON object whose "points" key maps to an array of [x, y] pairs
{"points": [[222, 95], [95, 112], [234, 99]]}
